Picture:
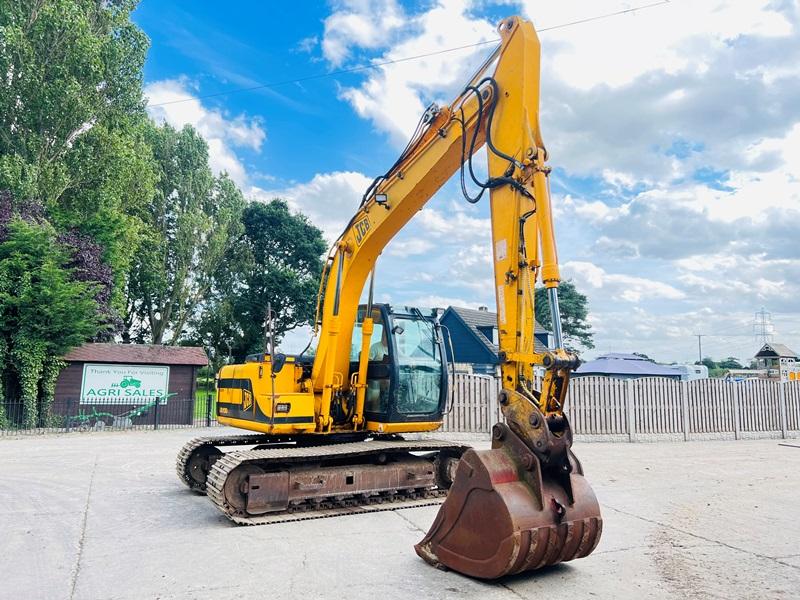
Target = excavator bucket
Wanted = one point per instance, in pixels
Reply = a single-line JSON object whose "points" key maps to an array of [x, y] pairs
{"points": [[505, 513]]}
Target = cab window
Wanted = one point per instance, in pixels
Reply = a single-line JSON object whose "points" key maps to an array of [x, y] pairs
{"points": [[378, 347], [419, 366]]}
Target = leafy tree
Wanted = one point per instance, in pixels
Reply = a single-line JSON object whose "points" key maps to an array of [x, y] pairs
{"points": [[644, 356], [730, 363], [190, 223], [72, 118], [74, 155], [277, 260], [708, 362], [113, 177], [44, 311], [574, 310], [68, 66]]}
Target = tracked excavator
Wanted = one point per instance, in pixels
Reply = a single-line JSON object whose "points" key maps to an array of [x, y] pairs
{"points": [[329, 426]]}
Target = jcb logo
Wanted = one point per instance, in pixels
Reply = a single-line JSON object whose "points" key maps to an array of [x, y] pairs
{"points": [[247, 400], [362, 227]]}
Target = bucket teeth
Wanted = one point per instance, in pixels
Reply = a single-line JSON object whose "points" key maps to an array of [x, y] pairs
{"points": [[496, 522]]}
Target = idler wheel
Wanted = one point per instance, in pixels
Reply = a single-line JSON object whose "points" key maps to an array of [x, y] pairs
{"points": [[236, 485], [200, 463]]}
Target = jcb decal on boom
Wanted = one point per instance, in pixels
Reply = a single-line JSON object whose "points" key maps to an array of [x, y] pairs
{"points": [[361, 227]]}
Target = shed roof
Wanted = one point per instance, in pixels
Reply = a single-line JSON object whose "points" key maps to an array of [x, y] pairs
{"points": [[779, 350], [625, 364], [138, 354], [483, 318]]}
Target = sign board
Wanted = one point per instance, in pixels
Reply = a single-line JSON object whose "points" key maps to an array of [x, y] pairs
{"points": [[790, 371], [123, 384]]}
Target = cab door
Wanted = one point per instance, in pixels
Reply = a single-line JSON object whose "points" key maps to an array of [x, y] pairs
{"points": [[379, 368]]}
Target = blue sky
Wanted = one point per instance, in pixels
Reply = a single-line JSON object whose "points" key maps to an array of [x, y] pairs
{"points": [[672, 132], [216, 47]]}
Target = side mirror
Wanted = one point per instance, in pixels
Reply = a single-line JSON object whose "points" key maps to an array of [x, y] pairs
{"points": [[397, 330], [277, 362]]}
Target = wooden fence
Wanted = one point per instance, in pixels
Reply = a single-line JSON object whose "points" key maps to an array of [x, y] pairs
{"points": [[652, 407]]}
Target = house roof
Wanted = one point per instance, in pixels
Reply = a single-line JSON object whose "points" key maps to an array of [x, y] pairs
{"points": [[779, 350], [625, 364], [138, 354], [483, 318]]}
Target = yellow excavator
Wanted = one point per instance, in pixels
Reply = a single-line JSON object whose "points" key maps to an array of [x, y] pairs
{"points": [[329, 423]]}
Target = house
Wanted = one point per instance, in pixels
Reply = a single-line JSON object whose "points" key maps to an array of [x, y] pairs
{"points": [[626, 366], [772, 357], [474, 338]]}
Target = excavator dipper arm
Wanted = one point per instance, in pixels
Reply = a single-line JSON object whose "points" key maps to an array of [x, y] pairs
{"points": [[524, 504]]}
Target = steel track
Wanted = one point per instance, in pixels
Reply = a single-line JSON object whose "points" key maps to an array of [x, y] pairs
{"points": [[185, 454], [334, 505]]}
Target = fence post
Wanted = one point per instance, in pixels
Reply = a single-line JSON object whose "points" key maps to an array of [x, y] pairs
{"points": [[208, 409], [685, 408], [629, 408], [782, 407], [155, 413], [492, 404], [737, 412], [68, 418]]}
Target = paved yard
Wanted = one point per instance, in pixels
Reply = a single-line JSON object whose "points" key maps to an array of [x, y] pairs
{"points": [[103, 515]]}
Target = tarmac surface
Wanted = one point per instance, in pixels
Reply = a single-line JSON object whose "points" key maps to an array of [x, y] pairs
{"points": [[103, 515]]}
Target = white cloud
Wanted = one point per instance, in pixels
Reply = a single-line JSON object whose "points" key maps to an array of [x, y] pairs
{"points": [[328, 199], [410, 247], [222, 133], [619, 286], [394, 96], [455, 226], [359, 23], [296, 340], [675, 37], [437, 301]]}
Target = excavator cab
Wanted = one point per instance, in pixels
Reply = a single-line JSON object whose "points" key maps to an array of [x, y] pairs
{"points": [[406, 372]]}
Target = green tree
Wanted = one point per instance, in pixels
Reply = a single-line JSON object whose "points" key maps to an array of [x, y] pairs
{"points": [[43, 313], [277, 260], [730, 363], [68, 66], [708, 362], [72, 119], [574, 308], [189, 226]]}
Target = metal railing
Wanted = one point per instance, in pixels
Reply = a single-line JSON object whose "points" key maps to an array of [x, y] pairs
{"points": [[67, 415]]}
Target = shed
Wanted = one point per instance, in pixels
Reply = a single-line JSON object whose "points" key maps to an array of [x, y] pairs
{"points": [[475, 341], [772, 356], [126, 377], [625, 366]]}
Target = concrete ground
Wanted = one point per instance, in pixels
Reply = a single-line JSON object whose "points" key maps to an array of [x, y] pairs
{"points": [[102, 515]]}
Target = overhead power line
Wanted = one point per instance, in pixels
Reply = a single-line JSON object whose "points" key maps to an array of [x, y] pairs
{"points": [[376, 65]]}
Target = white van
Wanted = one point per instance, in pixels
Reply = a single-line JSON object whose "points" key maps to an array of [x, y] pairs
{"points": [[692, 372]]}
